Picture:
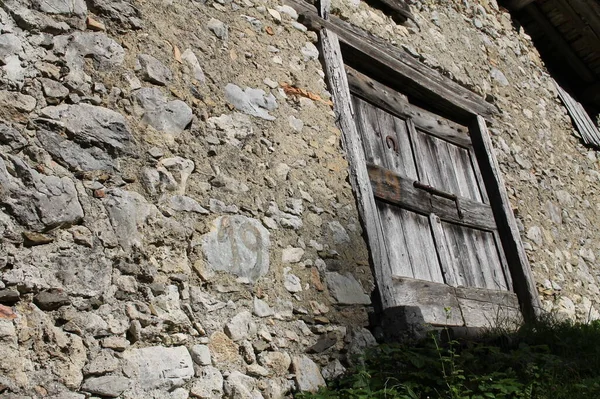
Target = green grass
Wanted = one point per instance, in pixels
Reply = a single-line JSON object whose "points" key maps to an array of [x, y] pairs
{"points": [[545, 360]]}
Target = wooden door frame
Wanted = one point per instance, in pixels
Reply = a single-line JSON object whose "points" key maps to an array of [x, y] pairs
{"points": [[418, 81]]}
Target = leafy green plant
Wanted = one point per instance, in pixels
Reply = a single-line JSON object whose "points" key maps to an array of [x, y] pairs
{"points": [[544, 360]]}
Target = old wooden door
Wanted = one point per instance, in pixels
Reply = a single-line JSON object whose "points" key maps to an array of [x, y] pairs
{"points": [[438, 228]]}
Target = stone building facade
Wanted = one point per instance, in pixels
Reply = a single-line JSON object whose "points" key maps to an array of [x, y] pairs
{"points": [[176, 217]]}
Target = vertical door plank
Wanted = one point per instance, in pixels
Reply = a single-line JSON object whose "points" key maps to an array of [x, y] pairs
{"points": [[422, 248], [463, 170], [398, 250], [394, 133], [441, 245], [366, 120], [501, 254], [359, 177], [480, 181], [497, 280]]}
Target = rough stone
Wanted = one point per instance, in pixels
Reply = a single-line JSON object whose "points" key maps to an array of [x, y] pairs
{"points": [[38, 201], [51, 300], [160, 367], [262, 309], [253, 102], [238, 245], [18, 101], [90, 125], [218, 28], [104, 362], [53, 88], [241, 326], [201, 355], [153, 70], [233, 128], [308, 375], [292, 255], [209, 384], [340, 236], [240, 386], [67, 7], [74, 156], [186, 204], [346, 290], [171, 117], [278, 362], [110, 385], [190, 58], [11, 137]]}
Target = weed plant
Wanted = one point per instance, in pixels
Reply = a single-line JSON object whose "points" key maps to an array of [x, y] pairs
{"points": [[544, 360]]}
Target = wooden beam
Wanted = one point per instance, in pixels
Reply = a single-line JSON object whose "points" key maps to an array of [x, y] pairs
{"points": [[557, 42], [516, 5], [400, 69], [520, 270], [398, 190], [441, 304]]}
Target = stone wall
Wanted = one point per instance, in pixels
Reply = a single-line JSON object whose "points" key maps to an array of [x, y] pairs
{"points": [[175, 214]]}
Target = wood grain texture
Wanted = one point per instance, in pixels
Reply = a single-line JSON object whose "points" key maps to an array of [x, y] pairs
{"points": [[395, 189], [462, 306], [520, 270], [397, 104], [586, 127]]}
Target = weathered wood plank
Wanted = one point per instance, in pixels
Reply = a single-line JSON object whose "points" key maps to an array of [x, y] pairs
{"points": [[441, 244], [395, 189], [393, 232], [438, 302], [397, 104], [441, 304], [586, 127], [368, 128], [359, 178], [523, 282], [477, 171], [397, 144], [414, 77], [421, 246]]}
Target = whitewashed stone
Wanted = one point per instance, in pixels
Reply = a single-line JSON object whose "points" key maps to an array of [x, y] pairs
{"points": [[160, 367], [238, 245]]}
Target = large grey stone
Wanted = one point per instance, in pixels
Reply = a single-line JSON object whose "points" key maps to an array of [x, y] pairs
{"points": [[240, 386], [209, 384], [72, 155], [346, 290], [11, 137], [238, 245], [127, 210], [251, 101], [153, 70], [110, 385], [105, 52], [121, 12], [170, 117], [18, 101], [68, 7], [10, 45], [38, 201], [160, 367], [218, 28], [308, 375], [90, 125], [53, 89]]}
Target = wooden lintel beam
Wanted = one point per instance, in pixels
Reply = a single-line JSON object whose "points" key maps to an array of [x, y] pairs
{"points": [[516, 5]]}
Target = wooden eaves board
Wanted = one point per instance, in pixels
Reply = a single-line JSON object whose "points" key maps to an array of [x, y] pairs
{"points": [[428, 86]]}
